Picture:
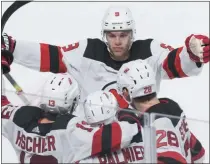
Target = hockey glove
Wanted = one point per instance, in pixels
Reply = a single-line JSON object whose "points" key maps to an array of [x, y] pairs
{"points": [[129, 116], [198, 48], [7, 49]]}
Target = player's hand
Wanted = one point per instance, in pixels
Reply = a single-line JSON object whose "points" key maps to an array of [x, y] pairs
{"points": [[198, 48], [7, 49]]}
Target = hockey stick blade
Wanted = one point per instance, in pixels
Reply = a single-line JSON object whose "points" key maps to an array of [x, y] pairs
{"points": [[7, 14]]}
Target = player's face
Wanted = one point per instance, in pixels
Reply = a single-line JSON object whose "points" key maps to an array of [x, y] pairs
{"points": [[126, 95], [119, 43]]}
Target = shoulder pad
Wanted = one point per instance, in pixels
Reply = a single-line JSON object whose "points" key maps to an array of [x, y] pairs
{"points": [[167, 107], [140, 49], [25, 115]]}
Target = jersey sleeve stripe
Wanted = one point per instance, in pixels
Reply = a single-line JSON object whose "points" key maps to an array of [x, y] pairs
{"points": [[173, 64], [178, 63], [45, 58], [107, 138], [166, 68], [54, 59], [51, 59], [96, 144], [116, 136]]}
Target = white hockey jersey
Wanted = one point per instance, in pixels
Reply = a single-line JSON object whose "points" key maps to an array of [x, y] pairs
{"points": [[174, 141], [66, 140], [91, 65]]}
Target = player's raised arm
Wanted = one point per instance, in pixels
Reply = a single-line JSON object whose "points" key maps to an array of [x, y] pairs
{"points": [[183, 61], [42, 57]]}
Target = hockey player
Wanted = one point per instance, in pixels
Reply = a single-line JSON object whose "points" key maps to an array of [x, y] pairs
{"points": [[175, 143], [51, 134], [100, 109], [94, 63]]}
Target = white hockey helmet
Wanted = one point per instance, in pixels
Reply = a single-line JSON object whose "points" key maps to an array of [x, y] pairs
{"points": [[60, 94], [137, 77], [100, 107], [118, 18]]}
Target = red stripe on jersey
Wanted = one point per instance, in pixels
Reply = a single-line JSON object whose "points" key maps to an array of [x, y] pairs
{"points": [[62, 67], [178, 63], [165, 67], [173, 155], [97, 142], [45, 58], [116, 136]]}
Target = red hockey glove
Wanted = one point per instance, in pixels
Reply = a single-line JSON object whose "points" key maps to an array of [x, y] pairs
{"points": [[198, 48]]}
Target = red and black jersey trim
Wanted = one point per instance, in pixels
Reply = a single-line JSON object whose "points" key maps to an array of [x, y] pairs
{"points": [[107, 139], [172, 64], [51, 59], [54, 59]]}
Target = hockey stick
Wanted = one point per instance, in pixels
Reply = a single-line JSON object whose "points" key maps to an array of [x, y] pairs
{"points": [[7, 14]]}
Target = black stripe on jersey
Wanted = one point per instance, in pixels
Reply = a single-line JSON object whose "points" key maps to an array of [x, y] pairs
{"points": [[171, 62], [196, 149], [168, 160], [54, 59], [107, 139]]}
